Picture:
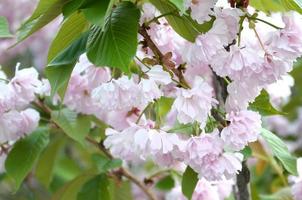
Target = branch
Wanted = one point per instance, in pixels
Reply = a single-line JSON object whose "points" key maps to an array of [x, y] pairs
{"points": [[101, 147], [141, 185], [122, 171], [243, 179], [163, 59]]}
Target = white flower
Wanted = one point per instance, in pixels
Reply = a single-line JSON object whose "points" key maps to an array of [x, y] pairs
{"points": [[244, 127], [11, 126], [120, 94], [25, 85], [149, 90], [201, 9], [160, 76], [194, 104], [205, 154], [30, 120]]}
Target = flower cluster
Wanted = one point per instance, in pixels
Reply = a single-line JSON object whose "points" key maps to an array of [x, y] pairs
{"points": [[16, 118], [206, 86]]}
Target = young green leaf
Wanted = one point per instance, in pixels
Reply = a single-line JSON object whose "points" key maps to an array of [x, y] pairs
{"points": [[184, 25], [95, 188], [96, 11], [179, 4], [162, 107], [71, 189], [283, 194], [58, 77], [72, 53], [46, 11], [189, 181], [263, 106], [45, 166], [24, 155], [121, 191], [4, 29], [70, 30], [166, 183], [115, 45], [280, 150], [181, 24], [277, 5], [59, 69], [76, 127], [104, 164]]}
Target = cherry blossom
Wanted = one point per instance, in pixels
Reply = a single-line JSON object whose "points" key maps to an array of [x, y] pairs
{"points": [[244, 127], [194, 104]]}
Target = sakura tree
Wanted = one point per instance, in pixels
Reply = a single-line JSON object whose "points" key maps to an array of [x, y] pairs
{"points": [[151, 99]]}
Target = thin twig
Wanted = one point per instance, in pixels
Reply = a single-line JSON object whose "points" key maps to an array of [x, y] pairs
{"points": [[122, 171], [161, 58], [140, 184], [266, 22]]}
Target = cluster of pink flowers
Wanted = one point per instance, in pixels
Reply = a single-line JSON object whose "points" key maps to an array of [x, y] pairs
{"points": [[217, 190], [16, 118], [248, 65]]}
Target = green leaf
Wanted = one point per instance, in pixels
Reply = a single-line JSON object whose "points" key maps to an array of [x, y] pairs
{"points": [[115, 45], [166, 183], [121, 191], [71, 54], [184, 25], [246, 152], [58, 77], [76, 127], [4, 29], [182, 128], [45, 166], [24, 154], [71, 30], [96, 12], [46, 11], [179, 4], [95, 189], [280, 150], [263, 106], [283, 194], [277, 5], [72, 6], [104, 164], [162, 107], [189, 181], [70, 190], [59, 69]]}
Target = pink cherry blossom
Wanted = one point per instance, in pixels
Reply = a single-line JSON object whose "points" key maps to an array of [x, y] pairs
{"points": [[207, 157], [30, 120], [194, 104], [205, 190], [11, 126], [200, 9], [244, 127], [25, 85], [120, 94]]}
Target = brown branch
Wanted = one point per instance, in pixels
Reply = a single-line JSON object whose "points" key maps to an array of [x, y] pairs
{"points": [[101, 147], [162, 59], [243, 179], [122, 171], [140, 184]]}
